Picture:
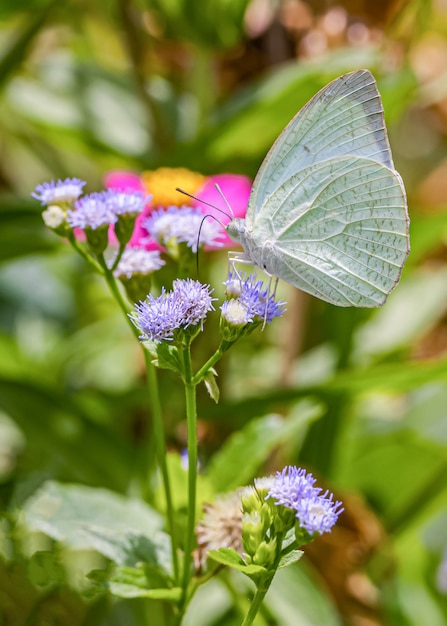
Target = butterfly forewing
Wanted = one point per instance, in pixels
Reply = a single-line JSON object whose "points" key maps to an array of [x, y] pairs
{"points": [[344, 118], [337, 230]]}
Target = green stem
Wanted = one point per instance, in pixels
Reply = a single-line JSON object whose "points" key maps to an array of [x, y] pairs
{"points": [[257, 601], [157, 416], [191, 418], [112, 284], [118, 256], [208, 365], [98, 267], [158, 426]]}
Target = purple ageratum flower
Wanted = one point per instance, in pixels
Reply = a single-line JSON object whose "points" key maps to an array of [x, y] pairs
{"points": [[196, 300], [186, 305], [92, 211], [58, 191], [184, 224], [125, 202], [138, 261], [291, 486], [318, 513], [257, 299], [294, 489], [157, 318]]}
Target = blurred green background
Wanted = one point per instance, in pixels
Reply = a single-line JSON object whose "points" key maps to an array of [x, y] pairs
{"points": [[359, 397]]}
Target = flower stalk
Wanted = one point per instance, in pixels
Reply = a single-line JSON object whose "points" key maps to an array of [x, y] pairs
{"points": [[191, 418]]}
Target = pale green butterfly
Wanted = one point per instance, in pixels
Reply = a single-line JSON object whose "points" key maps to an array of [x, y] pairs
{"points": [[328, 212]]}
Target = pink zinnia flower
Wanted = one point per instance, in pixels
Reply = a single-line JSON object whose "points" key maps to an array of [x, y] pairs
{"points": [[162, 183]]}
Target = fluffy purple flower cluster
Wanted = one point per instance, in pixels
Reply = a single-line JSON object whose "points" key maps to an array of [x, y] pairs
{"points": [[293, 488], [253, 298], [57, 191], [102, 208], [183, 224], [186, 305]]}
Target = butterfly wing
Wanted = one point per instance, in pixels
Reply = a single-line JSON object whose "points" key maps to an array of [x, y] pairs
{"points": [[337, 230], [344, 118]]}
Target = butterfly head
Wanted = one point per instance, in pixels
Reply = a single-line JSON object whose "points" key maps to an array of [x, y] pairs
{"points": [[236, 230]]}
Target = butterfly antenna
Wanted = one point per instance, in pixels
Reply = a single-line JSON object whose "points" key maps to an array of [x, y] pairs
{"points": [[222, 195], [230, 216], [198, 235]]}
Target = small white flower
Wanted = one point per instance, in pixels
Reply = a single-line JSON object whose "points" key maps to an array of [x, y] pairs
{"points": [[235, 312], [53, 216]]}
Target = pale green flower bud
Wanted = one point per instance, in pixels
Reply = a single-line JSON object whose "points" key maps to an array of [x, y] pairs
{"points": [[54, 218], [250, 500], [252, 531], [265, 554]]}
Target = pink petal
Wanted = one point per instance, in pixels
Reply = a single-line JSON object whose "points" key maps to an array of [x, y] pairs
{"points": [[123, 180], [236, 189], [128, 181]]}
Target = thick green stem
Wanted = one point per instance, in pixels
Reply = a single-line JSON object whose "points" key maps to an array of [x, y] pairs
{"points": [[257, 601], [191, 417]]}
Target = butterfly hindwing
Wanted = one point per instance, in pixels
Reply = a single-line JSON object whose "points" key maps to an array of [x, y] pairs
{"points": [[336, 230]]}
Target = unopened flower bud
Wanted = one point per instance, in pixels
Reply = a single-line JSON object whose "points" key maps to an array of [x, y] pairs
{"points": [[54, 218], [265, 554]]}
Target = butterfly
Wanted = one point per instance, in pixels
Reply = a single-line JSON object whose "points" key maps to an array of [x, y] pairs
{"points": [[327, 211]]}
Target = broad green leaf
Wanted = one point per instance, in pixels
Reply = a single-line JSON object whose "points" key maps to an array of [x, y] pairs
{"points": [[250, 121], [237, 461], [132, 582], [399, 323], [389, 377], [129, 548], [41, 412], [63, 511]]}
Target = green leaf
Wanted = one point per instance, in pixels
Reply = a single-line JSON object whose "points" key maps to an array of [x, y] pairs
{"points": [[211, 384], [44, 569], [230, 558], [400, 323], [290, 558], [389, 377], [131, 582], [67, 512], [236, 462], [14, 56], [427, 232], [130, 548], [167, 357], [22, 231]]}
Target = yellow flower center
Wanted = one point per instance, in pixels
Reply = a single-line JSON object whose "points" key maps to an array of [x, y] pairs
{"points": [[162, 183]]}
